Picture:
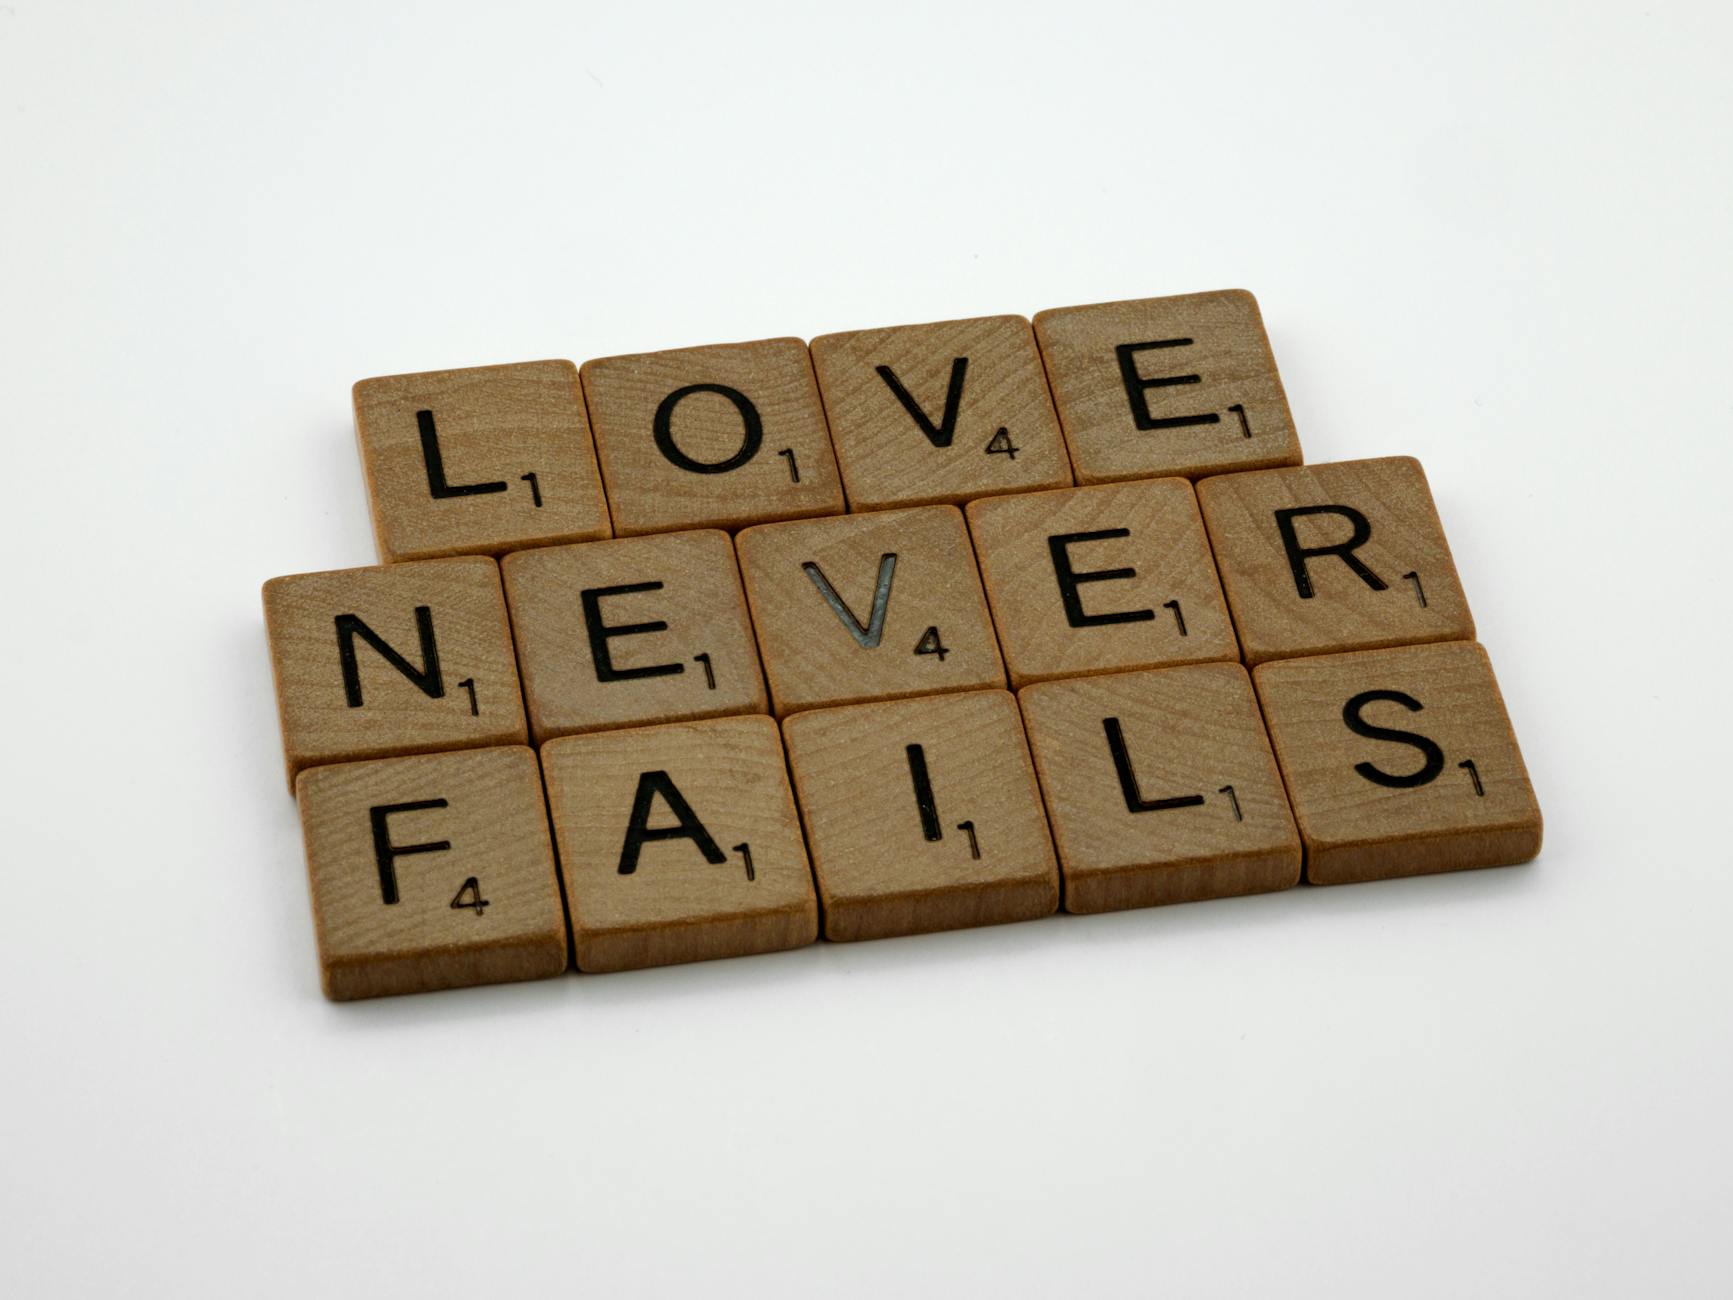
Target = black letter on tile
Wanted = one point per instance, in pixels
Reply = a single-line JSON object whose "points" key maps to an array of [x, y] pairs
{"points": [[1136, 386], [1134, 800], [867, 634], [1428, 771], [1070, 580], [926, 802], [435, 463], [1344, 551], [386, 853], [599, 632], [350, 626], [939, 435], [749, 444], [688, 827]]}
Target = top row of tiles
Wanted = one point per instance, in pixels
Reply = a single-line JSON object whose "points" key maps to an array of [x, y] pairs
{"points": [[498, 458]]}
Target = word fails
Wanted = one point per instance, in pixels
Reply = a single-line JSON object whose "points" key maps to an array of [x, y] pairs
{"points": [[493, 459], [685, 841]]}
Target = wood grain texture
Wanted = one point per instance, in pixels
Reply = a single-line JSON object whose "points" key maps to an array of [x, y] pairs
{"points": [[1408, 593], [632, 632], [332, 712], [455, 894], [915, 567], [1142, 600], [880, 869], [1190, 734], [1461, 796], [736, 883], [478, 461], [1212, 357], [978, 385], [719, 462]]}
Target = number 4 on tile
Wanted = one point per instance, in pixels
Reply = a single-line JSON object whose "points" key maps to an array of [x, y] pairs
{"points": [[930, 644], [475, 902]]}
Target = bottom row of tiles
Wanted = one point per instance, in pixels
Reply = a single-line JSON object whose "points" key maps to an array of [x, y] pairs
{"points": [[684, 842]]}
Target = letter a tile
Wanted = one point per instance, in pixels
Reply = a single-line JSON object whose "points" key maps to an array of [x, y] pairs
{"points": [[870, 606], [1167, 386], [711, 437], [479, 461], [679, 843], [922, 815], [431, 872], [1400, 762], [393, 659], [1161, 787], [1324, 558]]}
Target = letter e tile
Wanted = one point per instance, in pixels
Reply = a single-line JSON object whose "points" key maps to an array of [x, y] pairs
{"points": [[1167, 386]]}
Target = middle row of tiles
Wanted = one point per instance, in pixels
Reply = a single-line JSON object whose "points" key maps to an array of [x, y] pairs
{"points": [[636, 631]]}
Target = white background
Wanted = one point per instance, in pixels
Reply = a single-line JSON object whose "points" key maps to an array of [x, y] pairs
{"points": [[1494, 236]]}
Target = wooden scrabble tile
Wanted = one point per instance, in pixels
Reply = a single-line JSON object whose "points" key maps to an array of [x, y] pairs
{"points": [[431, 872], [941, 412], [711, 437], [631, 632], [1325, 558], [396, 659], [922, 815], [679, 843], [1097, 579], [1400, 762], [1161, 787], [1160, 386], [869, 606], [478, 461]]}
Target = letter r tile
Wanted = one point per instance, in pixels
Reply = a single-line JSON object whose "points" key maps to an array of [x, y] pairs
{"points": [[1324, 558], [1167, 386], [632, 632], [868, 607], [1400, 762], [679, 843], [711, 437]]}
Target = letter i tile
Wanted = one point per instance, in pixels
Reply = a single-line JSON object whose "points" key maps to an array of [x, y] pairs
{"points": [[922, 815]]}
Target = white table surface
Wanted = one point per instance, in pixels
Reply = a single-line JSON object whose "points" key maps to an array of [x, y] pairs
{"points": [[1494, 236]]}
